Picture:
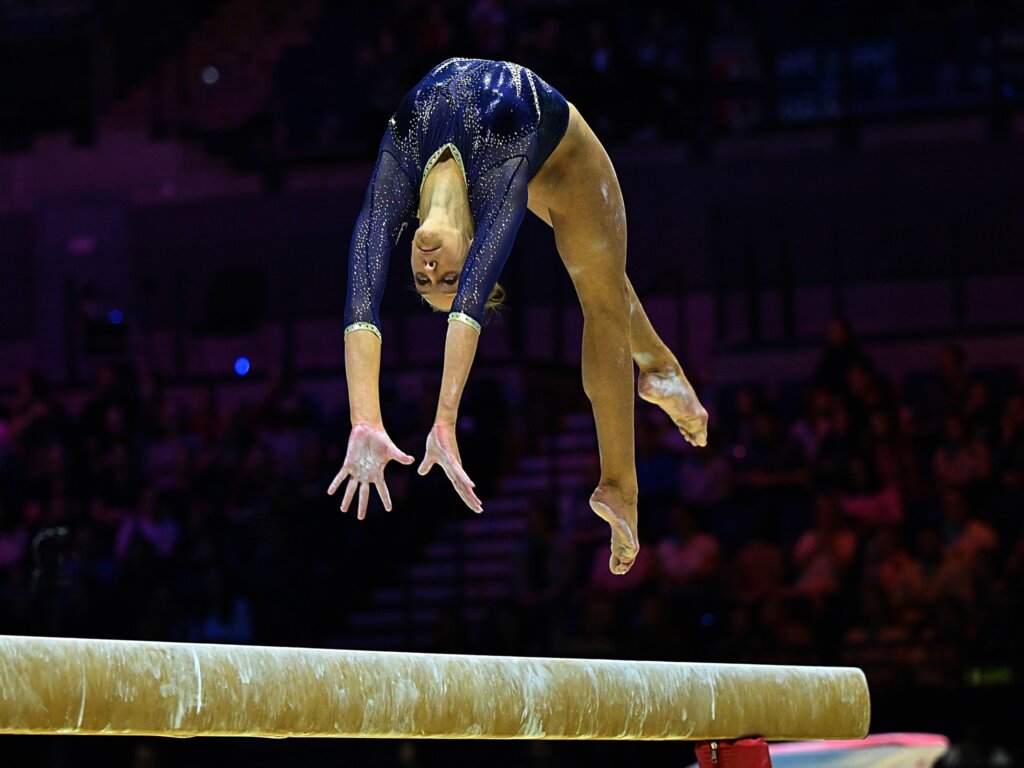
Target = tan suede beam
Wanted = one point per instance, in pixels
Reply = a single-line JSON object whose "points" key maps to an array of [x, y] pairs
{"points": [[59, 685]]}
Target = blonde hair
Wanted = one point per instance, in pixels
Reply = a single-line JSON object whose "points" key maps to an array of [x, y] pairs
{"points": [[496, 301], [494, 305]]}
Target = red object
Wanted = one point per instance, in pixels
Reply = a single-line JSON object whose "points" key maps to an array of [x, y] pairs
{"points": [[742, 753]]}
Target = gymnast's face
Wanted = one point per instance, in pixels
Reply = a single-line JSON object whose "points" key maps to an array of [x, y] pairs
{"points": [[438, 254]]}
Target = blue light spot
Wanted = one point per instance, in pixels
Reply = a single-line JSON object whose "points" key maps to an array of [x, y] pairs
{"points": [[115, 316], [707, 619], [242, 366]]}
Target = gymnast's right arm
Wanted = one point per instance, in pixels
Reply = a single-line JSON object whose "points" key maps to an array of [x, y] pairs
{"points": [[387, 207]]}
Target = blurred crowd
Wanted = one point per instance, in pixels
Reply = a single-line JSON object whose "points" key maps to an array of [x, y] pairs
{"points": [[647, 70], [139, 518], [843, 519], [130, 511]]}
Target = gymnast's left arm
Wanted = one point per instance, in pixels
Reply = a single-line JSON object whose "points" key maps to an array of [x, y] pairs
{"points": [[498, 201], [388, 204]]}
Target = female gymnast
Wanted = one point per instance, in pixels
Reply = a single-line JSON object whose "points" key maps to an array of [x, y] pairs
{"points": [[473, 146]]}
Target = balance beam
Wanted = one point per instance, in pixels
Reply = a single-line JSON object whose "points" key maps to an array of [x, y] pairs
{"points": [[91, 687]]}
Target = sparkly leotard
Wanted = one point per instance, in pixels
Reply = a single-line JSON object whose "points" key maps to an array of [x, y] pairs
{"points": [[500, 122]]}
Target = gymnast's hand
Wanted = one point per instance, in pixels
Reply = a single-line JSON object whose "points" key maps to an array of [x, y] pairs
{"points": [[369, 451], [444, 451]]}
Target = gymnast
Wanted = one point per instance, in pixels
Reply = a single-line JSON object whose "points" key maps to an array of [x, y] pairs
{"points": [[470, 149]]}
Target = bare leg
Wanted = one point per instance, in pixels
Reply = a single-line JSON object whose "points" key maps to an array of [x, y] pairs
{"points": [[578, 194], [588, 217], [662, 381], [608, 382]]}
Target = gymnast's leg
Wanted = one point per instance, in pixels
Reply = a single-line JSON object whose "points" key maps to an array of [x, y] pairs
{"points": [[662, 380], [582, 201], [608, 383]]}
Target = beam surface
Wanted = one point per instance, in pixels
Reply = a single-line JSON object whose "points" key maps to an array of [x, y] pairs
{"points": [[60, 685]]}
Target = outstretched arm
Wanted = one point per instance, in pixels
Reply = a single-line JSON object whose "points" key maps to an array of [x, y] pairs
{"points": [[498, 201], [442, 448], [387, 206], [369, 446]]}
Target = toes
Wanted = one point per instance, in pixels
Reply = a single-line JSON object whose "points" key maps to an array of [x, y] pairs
{"points": [[618, 566], [624, 545], [698, 439], [624, 552]]}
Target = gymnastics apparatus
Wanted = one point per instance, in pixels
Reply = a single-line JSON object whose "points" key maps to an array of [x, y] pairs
{"points": [[94, 687]]}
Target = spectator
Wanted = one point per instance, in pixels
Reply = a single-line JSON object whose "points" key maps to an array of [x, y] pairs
{"points": [[812, 426], [655, 466], [842, 353], [759, 569], [747, 406], [867, 393], [979, 411], [839, 444], [38, 423], [1009, 453], [169, 452], [961, 460], [772, 459], [893, 454], [823, 554], [867, 500], [931, 579], [542, 574], [153, 525], [887, 564], [950, 396], [225, 616], [689, 558], [705, 478], [969, 540]]}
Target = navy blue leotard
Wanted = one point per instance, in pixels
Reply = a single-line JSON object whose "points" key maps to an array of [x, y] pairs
{"points": [[501, 122]]}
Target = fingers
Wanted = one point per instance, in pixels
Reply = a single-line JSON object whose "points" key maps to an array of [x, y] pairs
{"points": [[425, 465], [402, 458], [350, 491], [385, 495], [364, 500], [337, 481], [369, 451], [470, 498], [463, 486], [364, 496]]}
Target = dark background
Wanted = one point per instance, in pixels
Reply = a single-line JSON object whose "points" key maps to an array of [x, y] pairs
{"points": [[824, 207]]}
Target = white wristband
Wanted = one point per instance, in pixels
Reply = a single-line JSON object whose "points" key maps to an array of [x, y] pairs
{"points": [[462, 317], [363, 327]]}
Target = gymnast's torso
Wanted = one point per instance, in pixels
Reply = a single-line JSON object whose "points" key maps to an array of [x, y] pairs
{"points": [[486, 112], [500, 122]]}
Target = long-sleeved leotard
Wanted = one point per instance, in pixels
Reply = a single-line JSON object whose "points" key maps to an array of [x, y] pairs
{"points": [[500, 122]]}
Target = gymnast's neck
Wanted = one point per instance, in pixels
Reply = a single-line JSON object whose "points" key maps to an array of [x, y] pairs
{"points": [[444, 198]]}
